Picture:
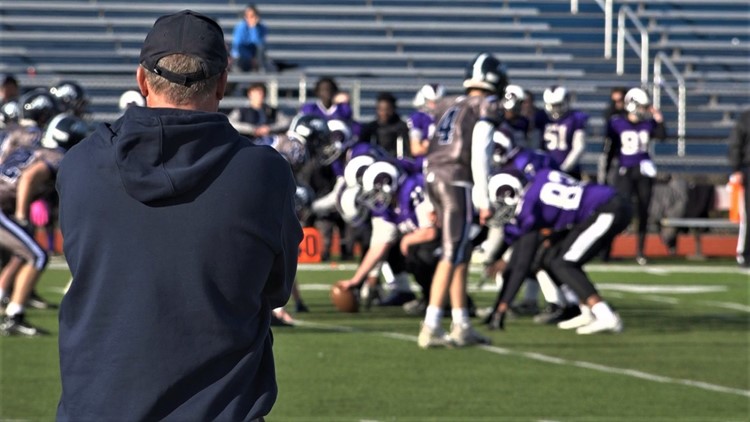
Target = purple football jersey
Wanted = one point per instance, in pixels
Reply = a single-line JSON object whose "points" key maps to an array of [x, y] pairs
{"points": [[421, 124], [404, 214], [341, 111], [633, 139], [557, 136], [530, 162], [557, 201]]}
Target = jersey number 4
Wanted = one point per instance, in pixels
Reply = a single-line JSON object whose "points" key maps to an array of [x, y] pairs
{"points": [[446, 126]]}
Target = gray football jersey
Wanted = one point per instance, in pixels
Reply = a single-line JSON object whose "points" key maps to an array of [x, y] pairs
{"points": [[449, 155]]}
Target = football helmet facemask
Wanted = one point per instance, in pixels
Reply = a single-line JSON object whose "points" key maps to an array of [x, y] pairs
{"points": [[379, 185]]}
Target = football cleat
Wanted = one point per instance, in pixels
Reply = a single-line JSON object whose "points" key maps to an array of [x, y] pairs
{"points": [[586, 317], [16, 325], [613, 325], [465, 335], [37, 302], [416, 307], [496, 321], [553, 314], [434, 337]]}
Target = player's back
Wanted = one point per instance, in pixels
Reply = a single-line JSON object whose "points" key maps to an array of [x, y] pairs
{"points": [[449, 155]]}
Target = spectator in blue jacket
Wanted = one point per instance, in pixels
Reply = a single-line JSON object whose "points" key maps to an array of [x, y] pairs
{"points": [[249, 42]]}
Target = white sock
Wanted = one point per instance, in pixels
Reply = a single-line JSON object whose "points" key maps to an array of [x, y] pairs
{"points": [[569, 294], [499, 281], [460, 316], [432, 316], [550, 291], [13, 309], [2, 293], [387, 272], [602, 311]]}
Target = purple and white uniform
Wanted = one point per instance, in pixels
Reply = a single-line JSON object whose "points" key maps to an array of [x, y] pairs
{"points": [[530, 162], [340, 111], [558, 137], [410, 212], [557, 201], [421, 125], [633, 139]]}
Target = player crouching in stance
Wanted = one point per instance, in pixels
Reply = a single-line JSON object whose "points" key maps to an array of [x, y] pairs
{"points": [[589, 217], [401, 216]]}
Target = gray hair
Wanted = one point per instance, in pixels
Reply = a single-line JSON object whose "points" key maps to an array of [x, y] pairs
{"points": [[179, 94]]}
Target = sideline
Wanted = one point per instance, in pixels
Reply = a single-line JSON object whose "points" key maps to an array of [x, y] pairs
{"points": [[551, 359]]}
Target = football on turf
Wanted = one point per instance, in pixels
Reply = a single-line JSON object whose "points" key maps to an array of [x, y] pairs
{"points": [[344, 300]]}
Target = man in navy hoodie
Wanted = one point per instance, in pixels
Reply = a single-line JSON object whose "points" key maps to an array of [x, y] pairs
{"points": [[177, 258]]}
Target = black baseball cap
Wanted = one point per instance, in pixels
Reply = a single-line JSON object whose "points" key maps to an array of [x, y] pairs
{"points": [[188, 33]]}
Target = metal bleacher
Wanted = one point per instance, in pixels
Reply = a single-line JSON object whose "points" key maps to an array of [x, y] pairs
{"points": [[397, 45]]}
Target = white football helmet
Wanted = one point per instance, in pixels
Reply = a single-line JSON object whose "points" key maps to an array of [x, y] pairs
{"points": [[350, 206], [513, 98], [429, 92], [379, 184], [556, 101], [502, 146], [637, 103], [131, 98], [505, 192], [355, 169]]}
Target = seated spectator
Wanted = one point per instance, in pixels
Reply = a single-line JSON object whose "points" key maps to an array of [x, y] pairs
{"points": [[259, 119], [249, 42], [9, 89], [387, 130]]}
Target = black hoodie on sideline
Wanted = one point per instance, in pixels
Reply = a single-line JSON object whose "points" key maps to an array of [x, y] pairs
{"points": [[181, 237]]}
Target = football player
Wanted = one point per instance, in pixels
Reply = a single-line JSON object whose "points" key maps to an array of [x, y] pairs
{"points": [[583, 218], [563, 130], [28, 174], [422, 122], [631, 137], [457, 170], [401, 217], [518, 124], [72, 98]]}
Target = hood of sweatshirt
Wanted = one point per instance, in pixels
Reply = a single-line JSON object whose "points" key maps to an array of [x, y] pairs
{"points": [[163, 153]]}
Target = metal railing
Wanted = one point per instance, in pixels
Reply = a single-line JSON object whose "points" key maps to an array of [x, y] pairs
{"points": [[606, 6], [642, 49], [677, 98]]}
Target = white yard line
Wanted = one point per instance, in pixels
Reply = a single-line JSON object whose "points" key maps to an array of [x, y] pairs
{"points": [[552, 360], [653, 269]]}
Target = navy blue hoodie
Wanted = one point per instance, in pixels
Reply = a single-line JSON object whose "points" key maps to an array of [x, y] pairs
{"points": [[181, 236]]}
